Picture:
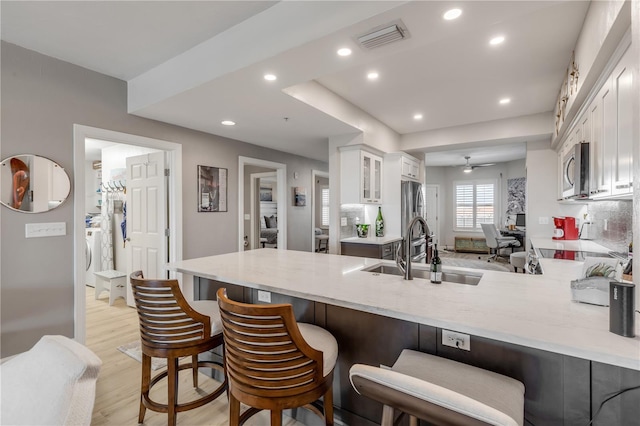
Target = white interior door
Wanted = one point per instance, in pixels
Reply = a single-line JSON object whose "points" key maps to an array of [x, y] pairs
{"points": [[146, 217], [432, 210]]}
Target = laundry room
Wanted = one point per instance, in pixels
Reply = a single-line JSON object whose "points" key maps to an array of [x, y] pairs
{"points": [[106, 211]]}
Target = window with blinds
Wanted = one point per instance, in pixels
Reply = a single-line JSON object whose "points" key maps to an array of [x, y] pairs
{"points": [[474, 204], [325, 206]]}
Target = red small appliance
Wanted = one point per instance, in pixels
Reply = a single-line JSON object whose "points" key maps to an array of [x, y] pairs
{"points": [[565, 228]]}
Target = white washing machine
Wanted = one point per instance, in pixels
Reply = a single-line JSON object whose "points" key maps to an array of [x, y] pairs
{"points": [[93, 254]]}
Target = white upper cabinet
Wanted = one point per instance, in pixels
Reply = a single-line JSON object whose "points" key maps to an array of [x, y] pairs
{"points": [[607, 125], [611, 126], [621, 83], [360, 176], [410, 168]]}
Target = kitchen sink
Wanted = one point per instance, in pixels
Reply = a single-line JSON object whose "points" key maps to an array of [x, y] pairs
{"points": [[469, 278]]}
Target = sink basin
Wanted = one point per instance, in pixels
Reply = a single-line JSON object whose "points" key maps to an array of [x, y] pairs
{"points": [[468, 278]]}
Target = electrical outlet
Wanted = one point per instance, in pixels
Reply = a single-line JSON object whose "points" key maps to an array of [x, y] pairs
{"points": [[264, 296], [456, 340], [343, 221], [606, 224]]}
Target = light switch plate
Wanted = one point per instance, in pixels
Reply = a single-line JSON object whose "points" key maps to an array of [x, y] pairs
{"points": [[343, 221], [37, 230], [247, 217], [543, 220]]}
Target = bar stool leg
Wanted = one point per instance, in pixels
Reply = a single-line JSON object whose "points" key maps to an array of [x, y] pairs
{"points": [[276, 418], [328, 407], [144, 391], [194, 370], [387, 416], [234, 410]]}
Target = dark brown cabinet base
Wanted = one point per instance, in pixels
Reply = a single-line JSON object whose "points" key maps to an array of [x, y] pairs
{"points": [[560, 390]]}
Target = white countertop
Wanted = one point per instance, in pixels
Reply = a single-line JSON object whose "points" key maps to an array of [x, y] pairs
{"points": [[372, 240], [575, 245], [530, 310]]}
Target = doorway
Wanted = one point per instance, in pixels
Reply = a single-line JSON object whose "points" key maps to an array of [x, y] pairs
{"points": [[244, 193], [320, 197], [171, 153], [263, 226]]}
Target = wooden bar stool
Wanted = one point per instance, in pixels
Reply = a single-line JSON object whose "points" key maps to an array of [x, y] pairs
{"points": [[170, 328], [441, 391], [274, 363]]}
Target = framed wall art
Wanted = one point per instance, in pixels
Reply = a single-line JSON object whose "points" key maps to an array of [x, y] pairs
{"points": [[212, 189], [299, 196]]}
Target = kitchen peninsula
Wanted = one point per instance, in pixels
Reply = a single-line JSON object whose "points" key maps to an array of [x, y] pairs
{"points": [[524, 326]]}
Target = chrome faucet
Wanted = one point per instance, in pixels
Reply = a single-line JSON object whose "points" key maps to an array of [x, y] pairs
{"points": [[405, 264]]}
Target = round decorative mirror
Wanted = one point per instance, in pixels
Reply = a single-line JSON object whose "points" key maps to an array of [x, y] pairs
{"points": [[33, 184]]}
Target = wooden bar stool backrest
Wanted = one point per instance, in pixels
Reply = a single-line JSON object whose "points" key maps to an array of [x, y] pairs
{"points": [[167, 322], [265, 353]]}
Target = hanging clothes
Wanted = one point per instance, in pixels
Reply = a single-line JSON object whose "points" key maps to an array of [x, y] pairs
{"points": [[123, 224]]}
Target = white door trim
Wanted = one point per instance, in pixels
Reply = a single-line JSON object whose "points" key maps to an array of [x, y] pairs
{"points": [[314, 175], [174, 163], [255, 219], [281, 178]]}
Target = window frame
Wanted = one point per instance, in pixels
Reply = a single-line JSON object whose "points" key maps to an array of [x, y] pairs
{"points": [[324, 207], [476, 224]]}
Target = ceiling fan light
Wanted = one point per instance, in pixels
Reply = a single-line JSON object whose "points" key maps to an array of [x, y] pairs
{"points": [[467, 169]]}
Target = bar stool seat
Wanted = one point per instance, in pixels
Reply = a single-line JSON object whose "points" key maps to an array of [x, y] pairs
{"points": [[441, 391], [518, 260]]}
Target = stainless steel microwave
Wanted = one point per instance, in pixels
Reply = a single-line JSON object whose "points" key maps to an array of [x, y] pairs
{"points": [[575, 172]]}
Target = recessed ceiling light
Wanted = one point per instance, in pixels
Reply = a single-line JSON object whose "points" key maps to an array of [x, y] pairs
{"points": [[452, 14], [228, 123], [505, 101], [344, 51], [372, 75], [496, 40], [417, 116], [270, 77]]}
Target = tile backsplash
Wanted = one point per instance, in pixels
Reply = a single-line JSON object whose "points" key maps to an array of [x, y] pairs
{"points": [[619, 217], [351, 212]]}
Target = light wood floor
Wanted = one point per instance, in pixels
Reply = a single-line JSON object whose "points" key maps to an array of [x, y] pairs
{"points": [[118, 387]]}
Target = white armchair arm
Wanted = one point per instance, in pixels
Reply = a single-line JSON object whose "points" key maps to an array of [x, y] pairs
{"points": [[54, 383]]}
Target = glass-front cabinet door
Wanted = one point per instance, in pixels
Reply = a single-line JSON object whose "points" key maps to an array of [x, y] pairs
{"points": [[377, 179], [366, 177], [371, 178]]}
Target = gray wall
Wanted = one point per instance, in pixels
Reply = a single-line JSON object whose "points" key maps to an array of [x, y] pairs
{"points": [[42, 98]]}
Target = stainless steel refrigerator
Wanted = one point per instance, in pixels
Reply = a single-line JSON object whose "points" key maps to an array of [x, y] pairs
{"points": [[412, 205]]}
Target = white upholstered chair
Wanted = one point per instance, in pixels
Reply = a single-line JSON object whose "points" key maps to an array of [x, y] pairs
{"points": [[441, 391], [53, 383], [495, 241]]}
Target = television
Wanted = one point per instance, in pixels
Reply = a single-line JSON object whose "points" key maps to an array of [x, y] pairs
{"points": [[520, 220]]}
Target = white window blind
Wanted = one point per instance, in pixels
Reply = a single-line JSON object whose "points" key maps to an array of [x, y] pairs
{"points": [[325, 206], [474, 204]]}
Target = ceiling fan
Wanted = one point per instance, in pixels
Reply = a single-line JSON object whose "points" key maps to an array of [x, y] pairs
{"points": [[468, 167]]}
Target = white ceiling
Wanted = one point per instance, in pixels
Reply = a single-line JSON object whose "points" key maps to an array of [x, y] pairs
{"points": [[202, 62]]}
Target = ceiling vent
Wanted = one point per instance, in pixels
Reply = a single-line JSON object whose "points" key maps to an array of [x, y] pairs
{"points": [[383, 35]]}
